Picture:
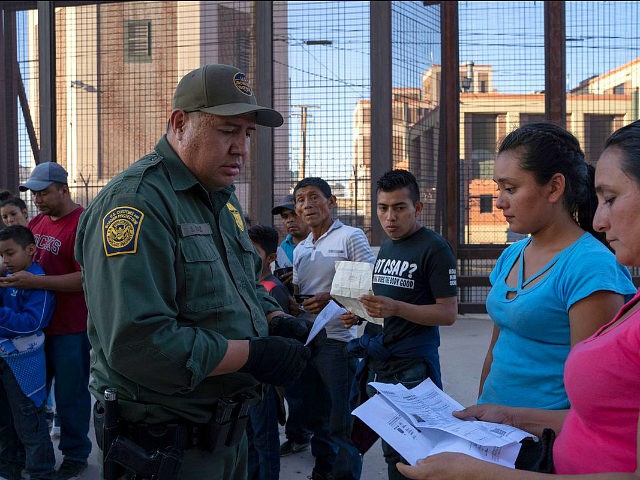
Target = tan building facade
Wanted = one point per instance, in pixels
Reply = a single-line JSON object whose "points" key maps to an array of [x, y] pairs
{"points": [[594, 110]]}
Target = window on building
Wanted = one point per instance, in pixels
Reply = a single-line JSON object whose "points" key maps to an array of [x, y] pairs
{"points": [[481, 130], [618, 89], [137, 41], [597, 129], [486, 203]]}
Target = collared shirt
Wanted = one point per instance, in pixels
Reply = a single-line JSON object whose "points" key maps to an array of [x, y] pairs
{"points": [[314, 265], [170, 275]]}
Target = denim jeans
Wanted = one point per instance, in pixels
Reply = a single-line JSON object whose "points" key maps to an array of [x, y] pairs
{"points": [[24, 432], [410, 377], [264, 438], [68, 363], [327, 388], [295, 429]]}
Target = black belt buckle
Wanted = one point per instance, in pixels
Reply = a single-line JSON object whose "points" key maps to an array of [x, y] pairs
{"points": [[160, 436], [241, 414]]}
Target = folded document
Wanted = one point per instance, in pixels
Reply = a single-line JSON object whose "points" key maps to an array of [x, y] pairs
{"points": [[350, 282], [419, 422]]}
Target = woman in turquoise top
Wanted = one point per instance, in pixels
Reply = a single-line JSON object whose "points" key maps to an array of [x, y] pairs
{"points": [[554, 288]]}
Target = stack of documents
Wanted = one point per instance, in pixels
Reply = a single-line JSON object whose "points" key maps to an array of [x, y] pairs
{"points": [[419, 422]]}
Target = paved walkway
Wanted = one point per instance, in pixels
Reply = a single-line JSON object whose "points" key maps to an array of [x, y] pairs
{"points": [[462, 350]]}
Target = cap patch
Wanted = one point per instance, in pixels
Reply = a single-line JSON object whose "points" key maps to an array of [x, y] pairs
{"points": [[236, 216], [120, 230], [241, 83]]}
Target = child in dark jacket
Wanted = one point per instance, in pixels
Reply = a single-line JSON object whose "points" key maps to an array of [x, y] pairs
{"points": [[262, 431], [23, 315]]}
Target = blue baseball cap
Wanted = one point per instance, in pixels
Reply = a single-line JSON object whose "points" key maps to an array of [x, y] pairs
{"points": [[44, 175], [287, 203]]}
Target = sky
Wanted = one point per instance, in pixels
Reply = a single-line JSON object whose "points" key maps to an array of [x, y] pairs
{"points": [[509, 36], [332, 75]]}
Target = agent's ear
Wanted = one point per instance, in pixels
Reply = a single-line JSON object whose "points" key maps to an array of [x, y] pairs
{"points": [[557, 185], [419, 206], [177, 122], [333, 201]]}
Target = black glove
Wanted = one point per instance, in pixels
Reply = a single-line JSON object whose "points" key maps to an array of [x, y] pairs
{"points": [[288, 326], [276, 360]]}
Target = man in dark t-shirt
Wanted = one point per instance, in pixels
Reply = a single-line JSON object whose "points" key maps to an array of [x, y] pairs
{"points": [[414, 286]]}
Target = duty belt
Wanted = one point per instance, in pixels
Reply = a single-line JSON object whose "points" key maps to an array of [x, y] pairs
{"points": [[225, 428], [155, 451]]}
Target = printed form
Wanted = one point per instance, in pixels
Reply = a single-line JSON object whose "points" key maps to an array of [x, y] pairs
{"points": [[419, 422]]}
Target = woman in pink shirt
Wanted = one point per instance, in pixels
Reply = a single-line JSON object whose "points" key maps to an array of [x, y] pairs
{"points": [[599, 436]]}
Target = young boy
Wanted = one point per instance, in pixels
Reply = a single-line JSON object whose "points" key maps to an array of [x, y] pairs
{"points": [[262, 431], [23, 315], [265, 241]]}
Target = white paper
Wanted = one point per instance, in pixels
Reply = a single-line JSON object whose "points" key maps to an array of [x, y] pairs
{"points": [[394, 414], [427, 406], [350, 282], [329, 312]]}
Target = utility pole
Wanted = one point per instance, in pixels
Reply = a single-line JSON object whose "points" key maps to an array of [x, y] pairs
{"points": [[303, 142], [302, 161]]}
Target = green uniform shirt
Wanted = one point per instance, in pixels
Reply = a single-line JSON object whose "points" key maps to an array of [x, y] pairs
{"points": [[169, 275]]}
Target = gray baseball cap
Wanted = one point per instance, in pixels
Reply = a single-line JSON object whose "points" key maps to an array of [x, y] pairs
{"points": [[44, 175], [221, 90]]}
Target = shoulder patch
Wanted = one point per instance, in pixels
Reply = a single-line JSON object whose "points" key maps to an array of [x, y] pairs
{"points": [[236, 216], [120, 230]]}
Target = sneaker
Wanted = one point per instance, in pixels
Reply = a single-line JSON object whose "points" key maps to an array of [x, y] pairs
{"points": [[70, 469], [290, 447]]}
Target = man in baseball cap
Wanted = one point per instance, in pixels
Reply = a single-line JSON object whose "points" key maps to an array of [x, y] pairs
{"points": [[186, 339], [67, 351], [297, 230], [221, 90], [44, 175]]}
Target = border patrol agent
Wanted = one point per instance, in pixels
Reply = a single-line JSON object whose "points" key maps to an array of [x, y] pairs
{"points": [[178, 321]]}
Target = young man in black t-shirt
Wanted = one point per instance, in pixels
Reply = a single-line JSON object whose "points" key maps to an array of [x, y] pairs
{"points": [[415, 291]]}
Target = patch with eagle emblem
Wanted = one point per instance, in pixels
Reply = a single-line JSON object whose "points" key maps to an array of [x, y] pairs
{"points": [[120, 230], [236, 216]]}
